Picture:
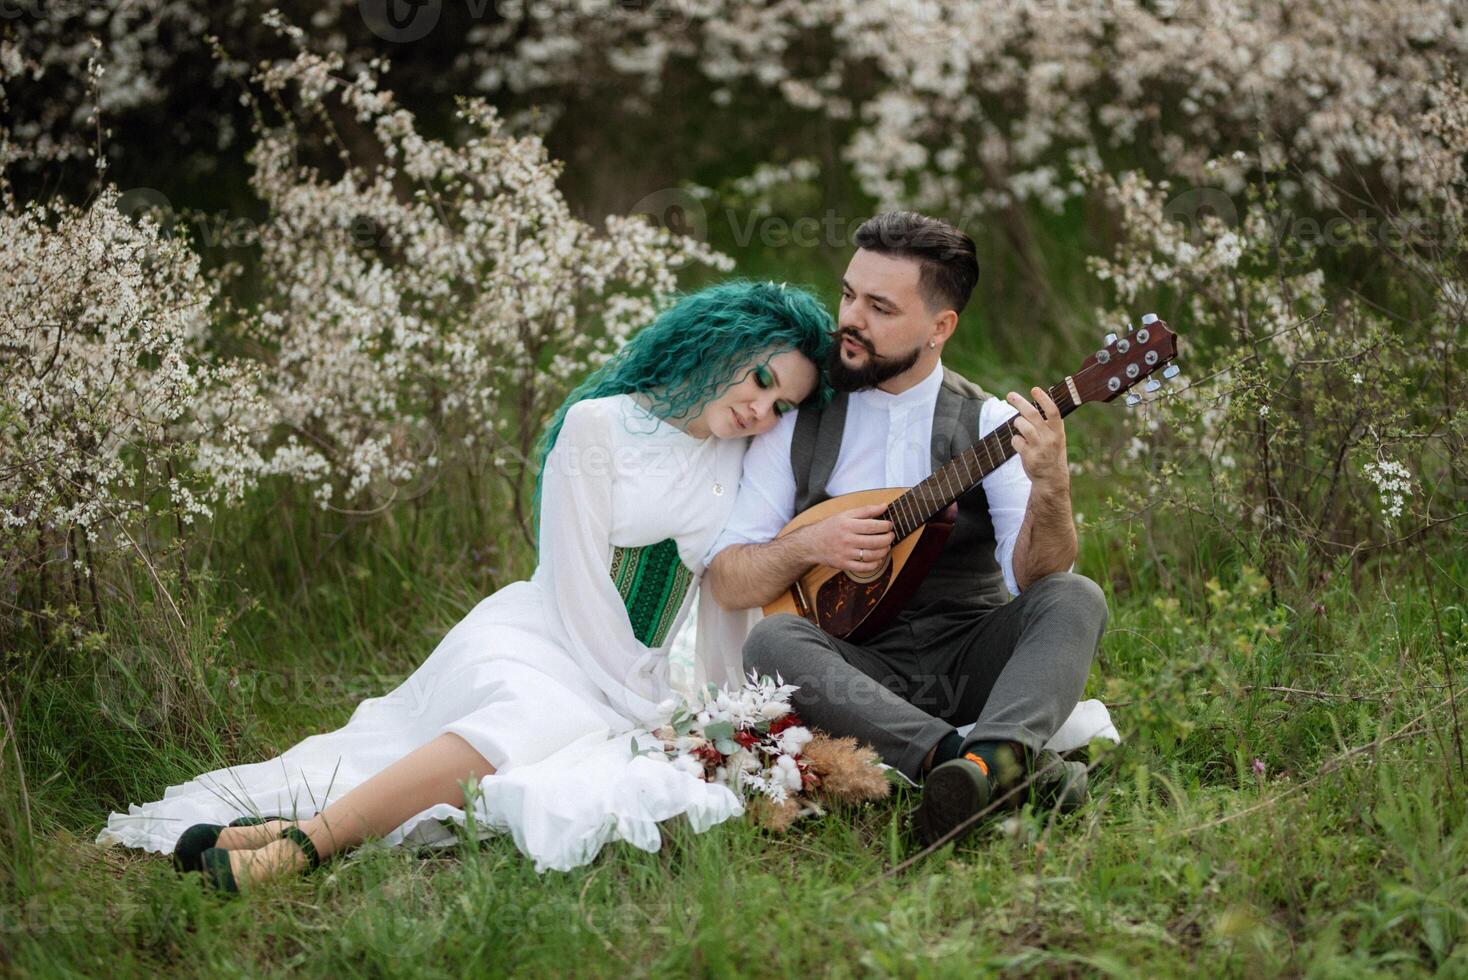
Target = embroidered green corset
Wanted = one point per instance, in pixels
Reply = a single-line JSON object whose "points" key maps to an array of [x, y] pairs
{"points": [[652, 580]]}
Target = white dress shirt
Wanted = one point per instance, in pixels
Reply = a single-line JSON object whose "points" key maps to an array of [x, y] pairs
{"points": [[886, 442]]}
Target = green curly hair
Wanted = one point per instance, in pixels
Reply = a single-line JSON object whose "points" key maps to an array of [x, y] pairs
{"points": [[689, 354]]}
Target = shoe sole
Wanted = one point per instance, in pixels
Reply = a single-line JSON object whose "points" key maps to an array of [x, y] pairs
{"points": [[950, 796]]}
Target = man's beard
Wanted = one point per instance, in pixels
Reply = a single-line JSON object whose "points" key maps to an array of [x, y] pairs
{"points": [[874, 372]]}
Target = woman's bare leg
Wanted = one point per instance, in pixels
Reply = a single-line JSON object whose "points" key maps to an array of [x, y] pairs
{"points": [[428, 775]]}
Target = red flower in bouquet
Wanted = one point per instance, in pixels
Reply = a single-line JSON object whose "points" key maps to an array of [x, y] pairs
{"points": [[789, 720]]}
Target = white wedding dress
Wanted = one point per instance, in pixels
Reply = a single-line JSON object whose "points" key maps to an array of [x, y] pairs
{"points": [[549, 678]]}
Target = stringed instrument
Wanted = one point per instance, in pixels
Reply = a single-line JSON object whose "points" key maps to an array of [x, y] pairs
{"points": [[854, 607]]}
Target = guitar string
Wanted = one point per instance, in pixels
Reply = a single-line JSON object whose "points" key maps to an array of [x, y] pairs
{"points": [[920, 503], [912, 506]]}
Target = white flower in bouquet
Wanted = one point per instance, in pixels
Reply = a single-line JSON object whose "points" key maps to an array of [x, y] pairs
{"points": [[687, 743], [786, 771], [771, 710], [794, 740], [688, 764]]}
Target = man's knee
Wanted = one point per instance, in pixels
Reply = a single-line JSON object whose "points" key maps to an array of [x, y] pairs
{"points": [[1077, 594], [768, 645]]}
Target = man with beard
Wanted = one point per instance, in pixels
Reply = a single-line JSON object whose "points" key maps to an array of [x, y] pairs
{"points": [[1000, 632]]}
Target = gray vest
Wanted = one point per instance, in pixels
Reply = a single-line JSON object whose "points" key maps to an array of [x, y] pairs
{"points": [[966, 570]]}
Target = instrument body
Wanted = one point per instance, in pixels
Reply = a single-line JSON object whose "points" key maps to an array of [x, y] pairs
{"points": [[855, 607]]}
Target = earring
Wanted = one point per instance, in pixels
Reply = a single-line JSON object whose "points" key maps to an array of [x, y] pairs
{"points": [[931, 344]]}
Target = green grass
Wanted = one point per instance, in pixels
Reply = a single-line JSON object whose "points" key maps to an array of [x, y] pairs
{"points": [[1186, 860]]}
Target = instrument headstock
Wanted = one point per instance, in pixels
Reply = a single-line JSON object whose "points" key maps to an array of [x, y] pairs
{"points": [[1127, 360]]}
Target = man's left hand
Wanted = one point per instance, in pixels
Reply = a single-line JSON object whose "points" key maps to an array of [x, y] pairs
{"points": [[1040, 440]]}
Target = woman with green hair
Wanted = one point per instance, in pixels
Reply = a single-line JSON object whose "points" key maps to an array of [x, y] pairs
{"points": [[530, 699]]}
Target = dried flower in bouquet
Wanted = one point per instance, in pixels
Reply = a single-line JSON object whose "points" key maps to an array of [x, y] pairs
{"points": [[751, 740], [845, 771]]}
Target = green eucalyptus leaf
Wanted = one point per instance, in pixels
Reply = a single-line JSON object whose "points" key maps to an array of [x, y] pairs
{"points": [[719, 730]]}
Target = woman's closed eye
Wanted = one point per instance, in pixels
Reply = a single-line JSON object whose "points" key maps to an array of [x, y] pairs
{"points": [[765, 379]]}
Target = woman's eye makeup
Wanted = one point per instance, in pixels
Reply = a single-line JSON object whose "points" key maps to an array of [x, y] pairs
{"points": [[765, 379]]}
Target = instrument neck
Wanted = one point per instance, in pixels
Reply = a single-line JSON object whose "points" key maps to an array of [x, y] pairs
{"points": [[964, 472]]}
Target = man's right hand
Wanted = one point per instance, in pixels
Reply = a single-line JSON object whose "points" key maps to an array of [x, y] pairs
{"points": [[855, 540]]}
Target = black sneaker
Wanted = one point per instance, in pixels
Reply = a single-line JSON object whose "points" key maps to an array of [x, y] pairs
{"points": [[952, 793]]}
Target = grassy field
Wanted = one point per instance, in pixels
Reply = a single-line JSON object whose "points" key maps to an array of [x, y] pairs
{"points": [[1288, 797]]}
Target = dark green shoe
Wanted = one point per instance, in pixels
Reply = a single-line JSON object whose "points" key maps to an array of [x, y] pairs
{"points": [[952, 793], [218, 874], [303, 841], [202, 836], [1059, 783]]}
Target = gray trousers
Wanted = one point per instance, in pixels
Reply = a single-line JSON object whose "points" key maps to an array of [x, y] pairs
{"points": [[1017, 669]]}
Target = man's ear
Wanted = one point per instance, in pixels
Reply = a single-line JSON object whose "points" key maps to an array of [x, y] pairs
{"points": [[944, 325]]}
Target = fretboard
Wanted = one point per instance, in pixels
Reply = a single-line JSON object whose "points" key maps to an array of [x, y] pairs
{"points": [[962, 473]]}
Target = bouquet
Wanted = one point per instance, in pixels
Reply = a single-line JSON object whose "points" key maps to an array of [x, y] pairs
{"points": [[751, 740]]}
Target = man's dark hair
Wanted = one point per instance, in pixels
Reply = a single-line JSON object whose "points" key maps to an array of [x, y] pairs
{"points": [[948, 260]]}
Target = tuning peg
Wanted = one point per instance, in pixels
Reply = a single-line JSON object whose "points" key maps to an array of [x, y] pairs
{"points": [[1129, 327], [1133, 399], [1171, 371], [1110, 339], [1149, 319], [1152, 385]]}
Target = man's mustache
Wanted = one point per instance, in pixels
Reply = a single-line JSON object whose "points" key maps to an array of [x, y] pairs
{"points": [[857, 340]]}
